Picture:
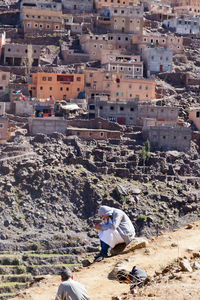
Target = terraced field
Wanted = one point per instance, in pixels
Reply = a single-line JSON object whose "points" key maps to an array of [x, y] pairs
{"points": [[18, 271]]}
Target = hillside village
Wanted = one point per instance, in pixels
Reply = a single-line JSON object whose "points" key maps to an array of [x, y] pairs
{"points": [[99, 104]]}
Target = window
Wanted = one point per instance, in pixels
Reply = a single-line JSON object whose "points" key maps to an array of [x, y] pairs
{"points": [[50, 88], [119, 38], [164, 137], [78, 78], [4, 77], [34, 51], [36, 25], [28, 25], [101, 133], [49, 78], [67, 89], [100, 107], [8, 49], [78, 89], [100, 46], [198, 114], [146, 87], [131, 109], [174, 137], [131, 95], [44, 78], [147, 95], [167, 58], [185, 137], [130, 86], [26, 51], [61, 88], [121, 108], [41, 25], [152, 58], [1, 125], [117, 94], [91, 74], [111, 107], [41, 88], [140, 87]]}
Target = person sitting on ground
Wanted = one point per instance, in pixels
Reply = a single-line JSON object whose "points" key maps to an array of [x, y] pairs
{"points": [[137, 277], [70, 289], [117, 229]]}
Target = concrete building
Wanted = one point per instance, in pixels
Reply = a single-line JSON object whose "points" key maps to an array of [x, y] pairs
{"points": [[131, 112], [128, 64], [22, 55], [47, 125], [41, 16], [56, 86], [194, 116], [79, 5], [174, 43], [183, 25], [170, 137], [157, 59], [4, 82], [118, 86]]}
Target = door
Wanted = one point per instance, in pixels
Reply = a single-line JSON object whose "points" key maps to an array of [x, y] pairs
{"points": [[121, 120], [161, 68]]}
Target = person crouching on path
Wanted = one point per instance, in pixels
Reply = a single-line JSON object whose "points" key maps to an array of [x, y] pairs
{"points": [[117, 229], [70, 289]]}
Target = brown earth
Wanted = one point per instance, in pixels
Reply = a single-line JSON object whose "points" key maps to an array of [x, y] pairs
{"points": [[161, 252]]}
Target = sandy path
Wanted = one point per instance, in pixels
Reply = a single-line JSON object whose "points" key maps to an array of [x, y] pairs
{"points": [[160, 253]]}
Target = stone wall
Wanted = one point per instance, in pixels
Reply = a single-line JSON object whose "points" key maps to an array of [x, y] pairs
{"points": [[97, 123], [47, 126]]}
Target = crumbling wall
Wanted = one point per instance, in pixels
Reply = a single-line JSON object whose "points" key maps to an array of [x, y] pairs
{"points": [[97, 123]]}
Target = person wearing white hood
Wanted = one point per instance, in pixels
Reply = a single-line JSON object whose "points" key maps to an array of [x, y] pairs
{"points": [[117, 229]]}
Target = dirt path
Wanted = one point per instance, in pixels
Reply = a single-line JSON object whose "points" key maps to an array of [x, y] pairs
{"points": [[158, 254]]}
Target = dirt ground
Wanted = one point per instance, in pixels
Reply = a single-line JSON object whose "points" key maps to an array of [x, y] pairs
{"points": [[159, 253]]}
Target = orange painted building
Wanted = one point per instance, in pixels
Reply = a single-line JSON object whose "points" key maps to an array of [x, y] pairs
{"points": [[56, 86]]}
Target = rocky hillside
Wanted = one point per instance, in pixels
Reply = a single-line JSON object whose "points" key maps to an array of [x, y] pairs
{"points": [[51, 187]]}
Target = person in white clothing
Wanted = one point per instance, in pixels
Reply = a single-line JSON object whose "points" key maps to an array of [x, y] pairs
{"points": [[117, 229]]}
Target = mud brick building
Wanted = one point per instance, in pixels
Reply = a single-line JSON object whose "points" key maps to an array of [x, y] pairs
{"points": [[118, 86], [79, 5], [194, 116], [109, 3], [3, 129], [174, 43], [56, 86], [128, 64], [170, 137], [43, 16], [22, 54], [131, 112], [4, 82]]}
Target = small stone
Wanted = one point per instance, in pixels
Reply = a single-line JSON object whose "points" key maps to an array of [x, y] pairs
{"points": [[174, 245], [185, 265], [189, 226], [196, 265]]}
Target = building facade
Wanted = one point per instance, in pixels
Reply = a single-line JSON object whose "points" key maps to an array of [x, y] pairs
{"points": [[22, 55], [157, 59], [45, 16], [194, 116], [56, 86], [4, 82], [118, 86], [183, 25], [128, 64], [170, 137], [174, 43], [80, 5]]}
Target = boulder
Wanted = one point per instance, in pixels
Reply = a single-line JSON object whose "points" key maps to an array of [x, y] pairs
{"points": [[185, 265], [119, 267], [136, 243]]}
